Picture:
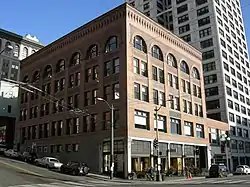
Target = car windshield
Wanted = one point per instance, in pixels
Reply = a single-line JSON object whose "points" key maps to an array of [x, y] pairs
{"points": [[214, 167], [53, 160], [240, 167]]}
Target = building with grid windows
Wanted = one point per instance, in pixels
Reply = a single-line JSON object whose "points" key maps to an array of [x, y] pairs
{"points": [[10, 69], [133, 63], [216, 28]]}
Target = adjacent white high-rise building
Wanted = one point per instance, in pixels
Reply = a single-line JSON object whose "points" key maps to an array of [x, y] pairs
{"points": [[216, 28]]}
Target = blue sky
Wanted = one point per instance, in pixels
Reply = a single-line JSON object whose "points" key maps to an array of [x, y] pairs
{"points": [[51, 19]]}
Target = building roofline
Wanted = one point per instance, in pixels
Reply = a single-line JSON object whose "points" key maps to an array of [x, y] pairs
{"points": [[19, 38], [57, 41], [162, 27]]}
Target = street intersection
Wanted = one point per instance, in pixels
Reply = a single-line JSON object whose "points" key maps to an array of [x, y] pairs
{"points": [[18, 174]]}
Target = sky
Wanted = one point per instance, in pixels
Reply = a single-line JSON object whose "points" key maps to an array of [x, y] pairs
{"points": [[48, 20]]}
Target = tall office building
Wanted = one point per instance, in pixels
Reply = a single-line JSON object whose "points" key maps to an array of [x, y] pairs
{"points": [[22, 46], [215, 27]]}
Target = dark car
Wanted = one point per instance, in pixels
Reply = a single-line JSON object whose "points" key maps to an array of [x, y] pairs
{"points": [[218, 170], [75, 168], [29, 157]]}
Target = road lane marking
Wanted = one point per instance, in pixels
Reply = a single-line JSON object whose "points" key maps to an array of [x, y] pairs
{"points": [[19, 168], [237, 181], [222, 181]]}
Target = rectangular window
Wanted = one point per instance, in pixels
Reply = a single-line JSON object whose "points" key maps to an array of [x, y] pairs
{"points": [[107, 68], [202, 11], [175, 126], [136, 63], [161, 122], [155, 96], [154, 73], [188, 128], [214, 104], [209, 67], [144, 69], [204, 21], [207, 55], [200, 131], [145, 96], [205, 32], [141, 119], [206, 43], [137, 94], [116, 65]]}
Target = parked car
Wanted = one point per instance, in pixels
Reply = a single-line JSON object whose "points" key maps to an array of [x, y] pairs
{"points": [[218, 170], [242, 169], [75, 168], [28, 157], [2, 148], [48, 162], [11, 153]]}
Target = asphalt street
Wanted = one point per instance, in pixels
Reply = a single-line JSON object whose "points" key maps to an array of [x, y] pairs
{"points": [[19, 174]]}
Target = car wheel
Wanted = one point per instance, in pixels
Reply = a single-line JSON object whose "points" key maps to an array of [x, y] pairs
{"points": [[74, 172], [61, 170]]}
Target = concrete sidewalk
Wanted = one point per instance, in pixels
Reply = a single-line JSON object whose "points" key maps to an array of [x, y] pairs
{"points": [[138, 181]]}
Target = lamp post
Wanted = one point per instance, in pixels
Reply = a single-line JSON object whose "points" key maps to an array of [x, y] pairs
{"points": [[158, 171], [225, 139], [111, 107]]}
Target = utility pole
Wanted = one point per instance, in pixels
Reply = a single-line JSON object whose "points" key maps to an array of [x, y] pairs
{"points": [[158, 174], [112, 164]]}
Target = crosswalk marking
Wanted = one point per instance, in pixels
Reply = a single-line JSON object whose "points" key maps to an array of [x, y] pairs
{"points": [[209, 181], [222, 181], [235, 182]]}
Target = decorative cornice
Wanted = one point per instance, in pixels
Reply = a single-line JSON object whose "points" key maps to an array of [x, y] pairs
{"points": [[164, 34], [81, 32]]}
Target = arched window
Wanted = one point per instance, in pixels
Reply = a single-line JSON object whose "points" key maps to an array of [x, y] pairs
{"points": [[7, 51], [33, 51], [112, 44], [157, 53], [172, 60], [92, 51], [36, 76], [47, 72], [16, 51], [184, 67], [75, 59], [140, 44], [26, 79], [196, 73], [60, 66], [25, 52]]}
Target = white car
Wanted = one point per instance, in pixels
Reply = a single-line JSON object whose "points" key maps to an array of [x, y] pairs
{"points": [[242, 169], [49, 162], [11, 153]]}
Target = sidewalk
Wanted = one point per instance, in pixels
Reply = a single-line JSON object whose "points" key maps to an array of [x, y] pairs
{"points": [[138, 181], [106, 178]]}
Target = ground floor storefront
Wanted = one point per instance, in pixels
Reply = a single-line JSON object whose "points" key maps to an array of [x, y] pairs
{"points": [[174, 157], [130, 154]]}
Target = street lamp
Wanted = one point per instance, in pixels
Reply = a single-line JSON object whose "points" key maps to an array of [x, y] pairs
{"points": [[225, 139], [111, 107], [158, 173]]}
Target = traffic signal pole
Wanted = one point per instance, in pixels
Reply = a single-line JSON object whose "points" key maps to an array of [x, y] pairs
{"points": [[158, 174]]}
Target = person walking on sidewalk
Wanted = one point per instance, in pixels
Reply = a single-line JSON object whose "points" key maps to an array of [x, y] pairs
{"points": [[150, 173]]}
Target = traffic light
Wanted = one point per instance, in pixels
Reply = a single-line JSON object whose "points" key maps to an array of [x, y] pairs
{"points": [[155, 143]]}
